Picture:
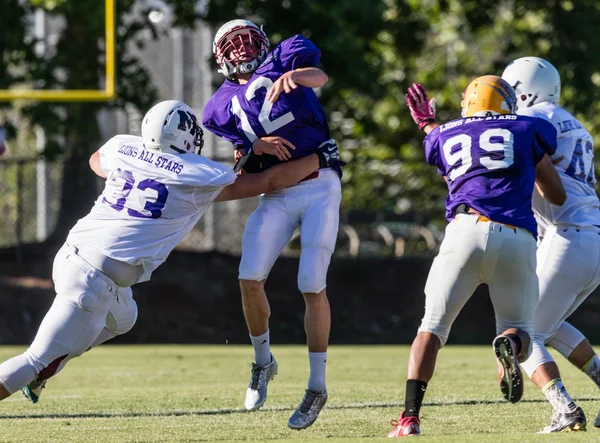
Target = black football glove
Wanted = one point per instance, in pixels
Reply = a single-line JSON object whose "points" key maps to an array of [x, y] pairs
{"points": [[250, 163], [329, 155]]}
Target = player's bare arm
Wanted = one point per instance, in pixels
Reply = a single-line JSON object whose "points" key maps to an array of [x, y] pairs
{"points": [[277, 177], [548, 182], [277, 146], [95, 164], [282, 175], [308, 77]]}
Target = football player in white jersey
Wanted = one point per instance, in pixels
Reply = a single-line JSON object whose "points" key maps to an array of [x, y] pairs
{"points": [[156, 190], [568, 253]]}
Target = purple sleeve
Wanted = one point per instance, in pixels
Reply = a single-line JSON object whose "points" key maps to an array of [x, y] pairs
{"points": [[432, 151], [221, 122], [299, 52], [545, 139]]}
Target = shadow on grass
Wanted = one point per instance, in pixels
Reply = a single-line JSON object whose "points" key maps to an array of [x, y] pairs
{"points": [[225, 411]]}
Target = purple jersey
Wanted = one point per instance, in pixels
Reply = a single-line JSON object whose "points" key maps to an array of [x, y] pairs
{"points": [[240, 113], [490, 164]]}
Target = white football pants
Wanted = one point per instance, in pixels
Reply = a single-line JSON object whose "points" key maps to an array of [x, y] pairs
{"points": [[89, 309], [313, 204], [475, 252], [568, 271]]}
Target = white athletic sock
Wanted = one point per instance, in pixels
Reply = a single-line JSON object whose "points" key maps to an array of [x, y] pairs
{"points": [[558, 396], [262, 349], [318, 365], [592, 369]]}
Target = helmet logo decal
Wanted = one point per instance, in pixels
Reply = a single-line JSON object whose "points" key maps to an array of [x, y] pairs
{"points": [[186, 122]]}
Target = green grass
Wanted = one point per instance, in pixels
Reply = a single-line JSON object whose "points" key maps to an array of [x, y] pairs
{"points": [[196, 393]]}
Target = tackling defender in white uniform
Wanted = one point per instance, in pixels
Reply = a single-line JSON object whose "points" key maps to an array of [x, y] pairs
{"points": [[156, 191], [568, 253]]}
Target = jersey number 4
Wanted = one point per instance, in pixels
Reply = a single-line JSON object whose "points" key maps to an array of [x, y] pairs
{"points": [[148, 206], [264, 117], [498, 142], [581, 167]]}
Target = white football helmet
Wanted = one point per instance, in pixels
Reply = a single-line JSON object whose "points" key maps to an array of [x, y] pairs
{"points": [[535, 81], [172, 126], [240, 47]]}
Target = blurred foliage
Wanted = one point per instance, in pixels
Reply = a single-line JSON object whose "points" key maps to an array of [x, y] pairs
{"points": [[372, 51], [76, 61]]}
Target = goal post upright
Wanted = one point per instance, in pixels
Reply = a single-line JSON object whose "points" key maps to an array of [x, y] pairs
{"points": [[79, 95]]}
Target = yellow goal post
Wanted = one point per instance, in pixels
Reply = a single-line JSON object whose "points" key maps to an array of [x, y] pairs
{"points": [[78, 95]]}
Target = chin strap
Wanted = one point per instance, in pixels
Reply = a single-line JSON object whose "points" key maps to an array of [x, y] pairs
{"points": [[246, 68]]}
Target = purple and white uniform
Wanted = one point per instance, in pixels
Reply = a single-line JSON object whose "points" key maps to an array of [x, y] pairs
{"points": [[240, 114], [489, 164], [150, 201]]}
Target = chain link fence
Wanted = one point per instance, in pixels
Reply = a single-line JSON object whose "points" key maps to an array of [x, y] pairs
{"points": [[30, 201]]}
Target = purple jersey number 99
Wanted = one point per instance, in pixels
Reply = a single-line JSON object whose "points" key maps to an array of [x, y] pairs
{"points": [[152, 208]]}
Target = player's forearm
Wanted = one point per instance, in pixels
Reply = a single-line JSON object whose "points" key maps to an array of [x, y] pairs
{"points": [[430, 127], [277, 177], [548, 182], [310, 77], [291, 172]]}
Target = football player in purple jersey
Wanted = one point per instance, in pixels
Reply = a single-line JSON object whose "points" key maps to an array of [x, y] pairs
{"points": [[267, 106], [491, 159]]}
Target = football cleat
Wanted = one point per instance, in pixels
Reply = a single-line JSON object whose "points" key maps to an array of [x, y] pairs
{"points": [[597, 421], [511, 377], [405, 427], [308, 410], [566, 422], [33, 390], [256, 395]]}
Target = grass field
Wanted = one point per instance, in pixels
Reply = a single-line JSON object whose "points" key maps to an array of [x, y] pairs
{"points": [[196, 393]]}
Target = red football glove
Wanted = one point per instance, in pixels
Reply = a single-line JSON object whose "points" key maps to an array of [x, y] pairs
{"points": [[422, 110]]}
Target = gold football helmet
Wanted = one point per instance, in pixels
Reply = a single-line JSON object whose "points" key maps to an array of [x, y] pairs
{"points": [[488, 95]]}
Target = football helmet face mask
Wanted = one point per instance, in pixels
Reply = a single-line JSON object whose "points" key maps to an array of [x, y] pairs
{"points": [[240, 47], [534, 80], [172, 126], [488, 95]]}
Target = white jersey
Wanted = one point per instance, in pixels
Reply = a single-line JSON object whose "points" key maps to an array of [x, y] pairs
{"points": [[576, 170], [151, 200]]}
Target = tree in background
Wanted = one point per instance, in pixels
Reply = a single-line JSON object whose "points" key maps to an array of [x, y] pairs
{"points": [[77, 62], [374, 50], [371, 50]]}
